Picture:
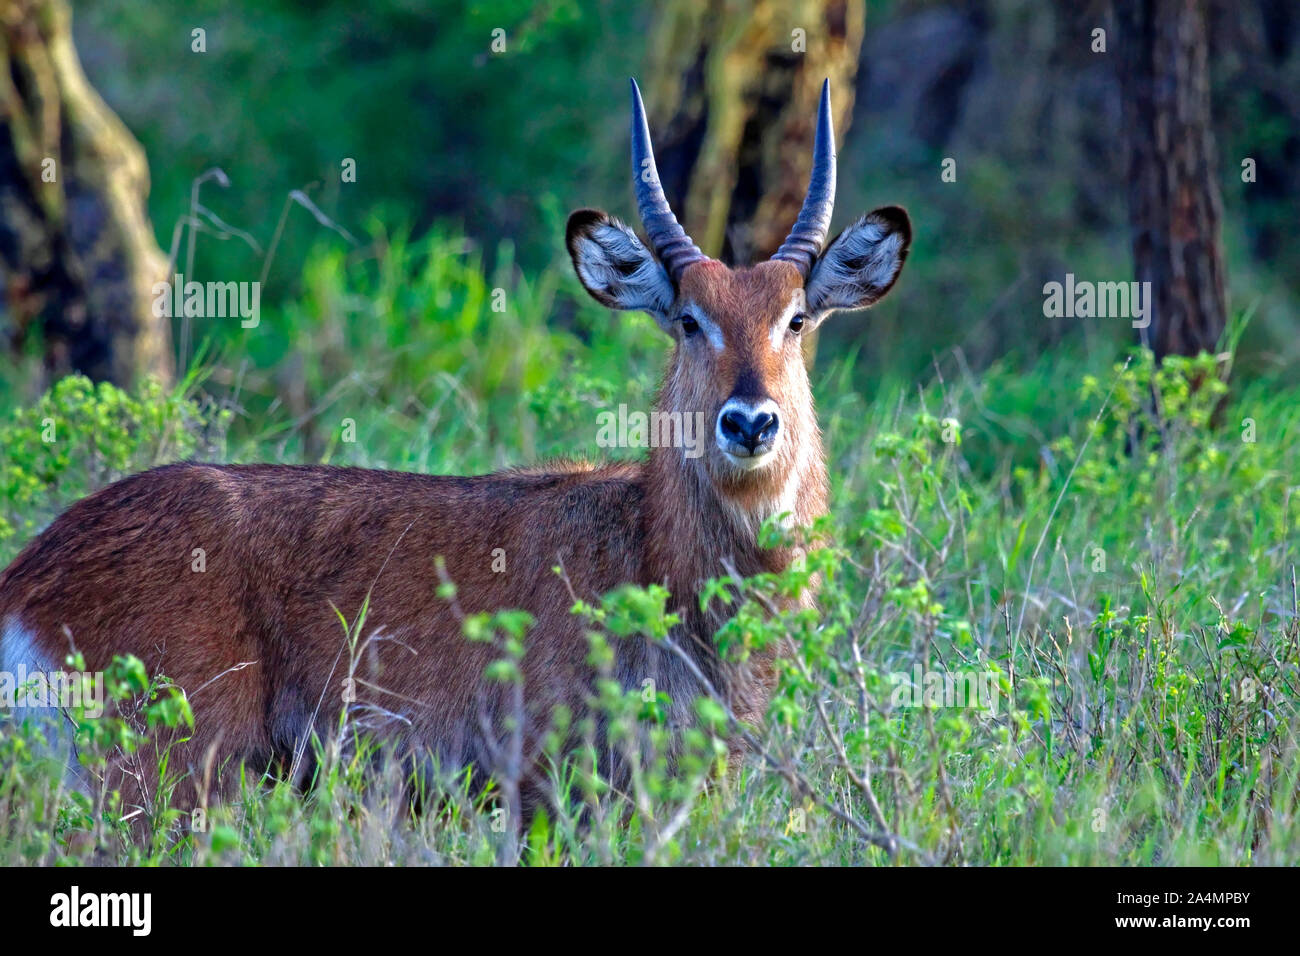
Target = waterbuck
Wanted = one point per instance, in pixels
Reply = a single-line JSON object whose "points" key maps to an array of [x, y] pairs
{"points": [[254, 638]]}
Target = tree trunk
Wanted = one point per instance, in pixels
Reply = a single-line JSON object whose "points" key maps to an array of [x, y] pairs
{"points": [[1174, 206], [733, 94], [78, 256]]}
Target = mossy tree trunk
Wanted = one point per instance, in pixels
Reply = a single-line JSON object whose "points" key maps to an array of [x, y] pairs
{"points": [[733, 91], [78, 256]]}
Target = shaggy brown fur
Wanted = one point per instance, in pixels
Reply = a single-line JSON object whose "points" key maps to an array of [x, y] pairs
{"points": [[254, 638]]}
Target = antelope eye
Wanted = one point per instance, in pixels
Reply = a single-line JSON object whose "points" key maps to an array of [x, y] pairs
{"points": [[689, 325], [796, 324]]}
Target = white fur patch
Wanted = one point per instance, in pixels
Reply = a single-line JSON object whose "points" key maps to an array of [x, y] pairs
{"points": [[749, 520], [712, 331], [786, 501], [748, 462], [19, 652], [782, 326], [18, 646], [857, 268], [614, 265]]}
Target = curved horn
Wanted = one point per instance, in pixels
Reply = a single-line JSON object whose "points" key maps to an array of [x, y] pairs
{"points": [[804, 244], [668, 239]]}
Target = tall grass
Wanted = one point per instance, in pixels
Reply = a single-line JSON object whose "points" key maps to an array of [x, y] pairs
{"points": [[1058, 621]]}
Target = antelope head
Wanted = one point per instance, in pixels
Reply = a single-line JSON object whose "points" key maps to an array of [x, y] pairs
{"points": [[737, 331]]}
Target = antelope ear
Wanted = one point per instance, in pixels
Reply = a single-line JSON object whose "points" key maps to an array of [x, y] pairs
{"points": [[861, 263], [615, 267]]}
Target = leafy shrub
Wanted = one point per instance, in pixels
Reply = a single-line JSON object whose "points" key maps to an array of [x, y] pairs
{"points": [[79, 437]]}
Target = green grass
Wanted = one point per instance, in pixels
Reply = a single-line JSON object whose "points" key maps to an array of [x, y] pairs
{"points": [[1125, 582]]}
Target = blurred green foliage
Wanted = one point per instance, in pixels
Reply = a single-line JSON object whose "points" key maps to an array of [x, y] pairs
{"points": [[438, 123], [501, 144], [79, 437]]}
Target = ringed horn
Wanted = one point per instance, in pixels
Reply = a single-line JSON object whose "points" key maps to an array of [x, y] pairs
{"points": [[676, 250]]}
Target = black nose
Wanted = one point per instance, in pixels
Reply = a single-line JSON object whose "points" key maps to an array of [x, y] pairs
{"points": [[748, 430]]}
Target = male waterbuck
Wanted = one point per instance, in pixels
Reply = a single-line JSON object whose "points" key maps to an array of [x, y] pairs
{"points": [[254, 636]]}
